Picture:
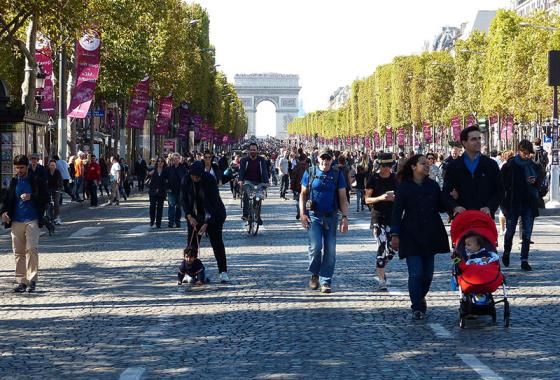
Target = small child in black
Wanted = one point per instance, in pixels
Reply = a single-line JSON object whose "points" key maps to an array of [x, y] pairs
{"points": [[192, 267]]}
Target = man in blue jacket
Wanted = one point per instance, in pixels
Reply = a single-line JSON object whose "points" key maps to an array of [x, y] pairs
{"points": [[23, 211], [253, 171]]}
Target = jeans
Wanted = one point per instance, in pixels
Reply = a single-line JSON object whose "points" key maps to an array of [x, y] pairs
{"points": [[527, 220], [66, 184], [78, 187], [322, 246], [284, 185], [55, 197], [105, 183], [420, 274], [114, 192], [359, 199], [156, 210], [173, 209], [92, 186], [141, 179], [296, 197], [214, 231]]}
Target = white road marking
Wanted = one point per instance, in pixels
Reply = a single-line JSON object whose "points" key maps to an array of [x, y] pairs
{"points": [[396, 292], [85, 232], [484, 372], [439, 330], [140, 229], [132, 373]]}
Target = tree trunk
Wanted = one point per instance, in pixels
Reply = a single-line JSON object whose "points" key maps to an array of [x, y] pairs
{"points": [[28, 50], [70, 84]]}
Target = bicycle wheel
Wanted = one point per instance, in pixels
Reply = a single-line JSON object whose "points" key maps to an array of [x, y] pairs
{"points": [[249, 225], [256, 216]]}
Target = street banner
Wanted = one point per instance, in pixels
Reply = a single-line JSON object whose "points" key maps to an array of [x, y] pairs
{"points": [[164, 115], [43, 57], [493, 119], [184, 120], [427, 132], [400, 136], [139, 104], [111, 118], [506, 131], [376, 140], [87, 72], [456, 128], [389, 137], [197, 125], [169, 146], [471, 120]]}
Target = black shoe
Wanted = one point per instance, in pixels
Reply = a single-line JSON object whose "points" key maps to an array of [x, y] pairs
{"points": [[314, 282], [31, 287], [259, 222], [244, 217], [177, 225], [417, 315], [158, 226], [525, 266], [20, 288], [297, 216], [170, 225], [505, 259]]}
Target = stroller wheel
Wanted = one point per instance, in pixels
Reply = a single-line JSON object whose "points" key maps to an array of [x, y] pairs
{"points": [[461, 320], [506, 313]]}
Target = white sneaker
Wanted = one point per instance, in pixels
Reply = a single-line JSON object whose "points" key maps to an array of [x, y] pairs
{"points": [[58, 221], [382, 286], [224, 277], [188, 279]]}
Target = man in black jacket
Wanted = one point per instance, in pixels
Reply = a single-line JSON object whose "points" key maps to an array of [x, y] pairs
{"points": [[140, 169], [23, 211], [174, 173], [205, 212], [474, 177]]}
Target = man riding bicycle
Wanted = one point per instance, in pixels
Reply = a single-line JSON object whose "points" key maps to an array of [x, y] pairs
{"points": [[253, 171]]}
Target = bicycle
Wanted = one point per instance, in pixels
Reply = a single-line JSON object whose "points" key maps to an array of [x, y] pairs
{"points": [[48, 218], [256, 195]]}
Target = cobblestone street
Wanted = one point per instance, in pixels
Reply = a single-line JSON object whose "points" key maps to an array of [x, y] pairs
{"points": [[108, 307]]}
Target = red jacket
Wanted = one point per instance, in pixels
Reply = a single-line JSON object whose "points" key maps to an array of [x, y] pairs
{"points": [[93, 172]]}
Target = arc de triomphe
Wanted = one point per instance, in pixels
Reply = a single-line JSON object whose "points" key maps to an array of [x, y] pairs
{"points": [[280, 89]]}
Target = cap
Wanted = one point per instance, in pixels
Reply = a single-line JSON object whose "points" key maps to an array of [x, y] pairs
{"points": [[325, 152], [197, 168], [34, 155]]}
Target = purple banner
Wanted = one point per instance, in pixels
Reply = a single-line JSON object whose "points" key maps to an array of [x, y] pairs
{"points": [[43, 57], [456, 128], [164, 115], [400, 136], [427, 132], [376, 140], [506, 132], [87, 72], [139, 104], [471, 120], [389, 137], [184, 120]]}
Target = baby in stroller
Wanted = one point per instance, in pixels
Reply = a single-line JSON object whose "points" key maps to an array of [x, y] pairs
{"points": [[475, 252]]}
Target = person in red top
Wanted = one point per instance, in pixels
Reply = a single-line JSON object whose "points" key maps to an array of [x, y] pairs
{"points": [[93, 178]]}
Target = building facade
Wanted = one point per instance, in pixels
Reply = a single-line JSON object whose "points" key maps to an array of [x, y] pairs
{"points": [[526, 7]]}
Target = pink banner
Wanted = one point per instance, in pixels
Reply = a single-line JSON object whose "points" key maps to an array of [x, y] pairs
{"points": [[493, 119], [506, 132], [87, 72], [376, 140], [456, 128], [164, 115], [43, 56], [427, 132], [139, 104], [389, 137], [471, 120], [197, 125], [400, 136], [184, 121]]}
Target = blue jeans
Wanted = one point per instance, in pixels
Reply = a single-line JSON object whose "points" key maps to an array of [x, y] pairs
{"points": [[420, 274], [322, 246], [527, 220], [78, 187], [173, 209], [359, 199]]}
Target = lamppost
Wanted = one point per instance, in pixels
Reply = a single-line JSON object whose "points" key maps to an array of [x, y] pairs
{"points": [[554, 201]]}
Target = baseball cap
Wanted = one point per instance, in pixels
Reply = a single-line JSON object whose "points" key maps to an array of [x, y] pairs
{"points": [[325, 152]]}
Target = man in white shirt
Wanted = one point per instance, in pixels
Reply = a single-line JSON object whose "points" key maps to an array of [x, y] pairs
{"points": [[115, 175], [282, 164]]}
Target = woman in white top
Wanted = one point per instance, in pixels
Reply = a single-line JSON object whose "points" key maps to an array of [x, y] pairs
{"points": [[211, 167]]}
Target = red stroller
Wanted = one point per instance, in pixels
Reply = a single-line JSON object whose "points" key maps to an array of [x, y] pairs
{"points": [[476, 283]]}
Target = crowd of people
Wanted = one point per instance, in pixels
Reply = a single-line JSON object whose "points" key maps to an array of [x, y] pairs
{"points": [[407, 195]]}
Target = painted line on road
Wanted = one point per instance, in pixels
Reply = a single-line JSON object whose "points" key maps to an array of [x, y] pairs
{"points": [[440, 331], [477, 366], [85, 232], [140, 229], [396, 292], [132, 373]]}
